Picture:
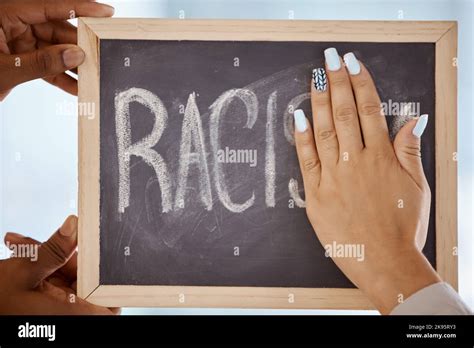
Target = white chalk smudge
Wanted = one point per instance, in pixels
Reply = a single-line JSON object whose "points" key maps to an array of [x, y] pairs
{"points": [[192, 135], [141, 148], [404, 115], [295, 194], [270, 170]]}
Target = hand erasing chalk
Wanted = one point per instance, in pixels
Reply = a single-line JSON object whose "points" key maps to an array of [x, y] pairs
{"points": [[361, 189]]}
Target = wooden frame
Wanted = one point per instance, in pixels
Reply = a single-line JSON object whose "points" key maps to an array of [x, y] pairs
{"points": [[92, 30]]}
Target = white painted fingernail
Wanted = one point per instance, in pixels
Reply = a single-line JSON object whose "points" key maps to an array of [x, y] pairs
{"points": [[352, 63], [332, 59], [420, 126], [300, 121]]}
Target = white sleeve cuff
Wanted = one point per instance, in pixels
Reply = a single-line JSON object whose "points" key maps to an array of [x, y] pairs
{"points": [[438, 298]]}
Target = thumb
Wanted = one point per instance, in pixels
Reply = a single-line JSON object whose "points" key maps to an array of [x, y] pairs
{"points": [[47, 61], [55, 252], [407, 146]]}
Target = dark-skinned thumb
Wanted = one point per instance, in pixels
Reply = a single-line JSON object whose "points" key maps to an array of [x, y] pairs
{"points": [[47, 61]]}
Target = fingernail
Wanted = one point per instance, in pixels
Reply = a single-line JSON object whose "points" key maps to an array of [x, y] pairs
{"points": [[69, 226], [320, 80], [110, 8], [73, 57], [300, 121], [13, 235], [332, 59], [352, 63], [420, 126]]}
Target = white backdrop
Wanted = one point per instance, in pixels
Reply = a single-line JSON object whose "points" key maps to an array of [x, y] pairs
{"points": [[38, 123]]}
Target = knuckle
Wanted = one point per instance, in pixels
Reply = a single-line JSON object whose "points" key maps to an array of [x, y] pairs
{"points": [[371, 109], [53, 249], [43, 61], [361, 82], [345, 113], [310, 164], [339, 80], [413, 150], [325, 135], [305, 140]]}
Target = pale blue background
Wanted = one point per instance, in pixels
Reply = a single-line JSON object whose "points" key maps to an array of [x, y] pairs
{"points": [[38, 157]]}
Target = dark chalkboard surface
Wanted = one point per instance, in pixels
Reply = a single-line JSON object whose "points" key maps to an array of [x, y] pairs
{"points": [[201, 242]]}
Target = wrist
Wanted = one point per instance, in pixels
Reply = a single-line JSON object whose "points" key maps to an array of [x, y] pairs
{"points": [[397, 278]]}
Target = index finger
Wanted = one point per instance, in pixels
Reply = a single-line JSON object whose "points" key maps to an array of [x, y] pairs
{"points": [[36, 12], [56, 32]]}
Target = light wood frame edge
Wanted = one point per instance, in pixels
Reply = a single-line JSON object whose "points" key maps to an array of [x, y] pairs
{"points": [[91, 30], [89, 151], [446, 148]]}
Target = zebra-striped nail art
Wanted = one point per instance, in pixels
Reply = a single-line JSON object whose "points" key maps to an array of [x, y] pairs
{"points": [[320, 80]]}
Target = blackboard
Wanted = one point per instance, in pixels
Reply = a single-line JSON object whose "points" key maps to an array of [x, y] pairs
{"points": [[264, 245], [234, 234]]}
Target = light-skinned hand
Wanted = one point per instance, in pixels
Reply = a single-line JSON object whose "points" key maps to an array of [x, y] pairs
{"points": [[362, 189]]}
